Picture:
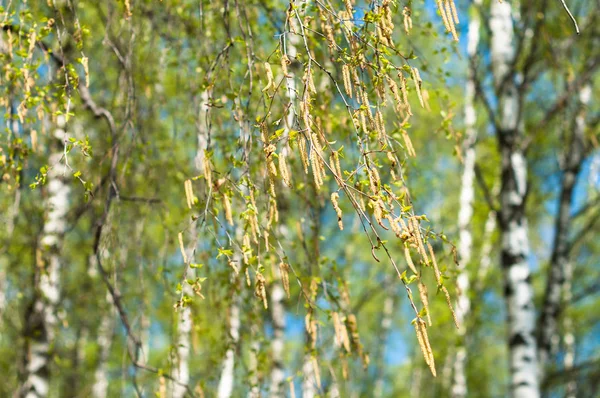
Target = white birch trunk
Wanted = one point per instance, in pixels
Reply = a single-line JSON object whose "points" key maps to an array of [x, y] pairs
{"points": [[291, 50], [518, 292], [253, 365], [43, 318], [225, 388], [184, 332], [184, 329], [107, 323], [569, 340], [145, 324], [105, 334], [309, 383], [386, 324], [569, 335], [182, 372], [465, 214], [548, 326], [278, 342], [486, 249], [202, 127]]}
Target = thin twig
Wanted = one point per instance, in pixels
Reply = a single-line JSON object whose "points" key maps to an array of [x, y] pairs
{"points": [[570, 15]]}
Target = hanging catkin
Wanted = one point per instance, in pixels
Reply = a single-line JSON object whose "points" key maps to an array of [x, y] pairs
{"points": [[338, 211]]}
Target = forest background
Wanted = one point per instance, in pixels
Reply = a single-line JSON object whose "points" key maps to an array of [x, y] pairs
{"points": [[308, 198]]}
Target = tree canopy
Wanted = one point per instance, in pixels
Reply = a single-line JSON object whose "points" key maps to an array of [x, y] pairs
{"points": [[304, 198]]}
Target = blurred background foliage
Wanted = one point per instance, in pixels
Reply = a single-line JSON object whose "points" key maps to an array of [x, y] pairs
{"points": [[149, 70]]}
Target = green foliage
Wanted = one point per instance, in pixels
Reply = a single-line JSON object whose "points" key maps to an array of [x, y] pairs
{"points": [[202, 143]]}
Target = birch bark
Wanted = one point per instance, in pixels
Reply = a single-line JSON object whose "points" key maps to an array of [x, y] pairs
{"points": [[309, 384], [465, 214], [225, 388], [253, 364], [184, 329], [278, 342], [226, 381], [486, 249], [569, 335], [386, 324], [104, 339], [518, 292], [569, 339], [105, 333], [42, 321], [548, 325]]}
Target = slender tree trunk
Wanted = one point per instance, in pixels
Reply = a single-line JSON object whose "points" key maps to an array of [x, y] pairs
{"points": [[104, 339], [184, 329], [486, 249], [277, 292], [569, 335], [548, 325], [386, 324], [309, 384], [145, 323], [465, 214], [569, 340], [226, 381], [105, 335], [107, 248], [225, 388], [202, 130], [182, 373], [518, 292], [310, 380], [41, 318], [253, 364], [278, 342]]}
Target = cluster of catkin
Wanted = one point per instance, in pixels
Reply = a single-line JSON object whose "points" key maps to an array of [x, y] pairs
{"points": [[385, 27], [269, 151], [345, 326], [317, 155], [447, 10]]}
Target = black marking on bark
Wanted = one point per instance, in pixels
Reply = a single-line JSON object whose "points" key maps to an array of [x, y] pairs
{"points": [[508, 260], [522, 384], [517, 339], [527, 306]]}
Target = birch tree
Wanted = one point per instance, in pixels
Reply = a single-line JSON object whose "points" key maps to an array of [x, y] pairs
{"points": [[573, 159], [267, 166], [42, 319], [459, 383]]}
